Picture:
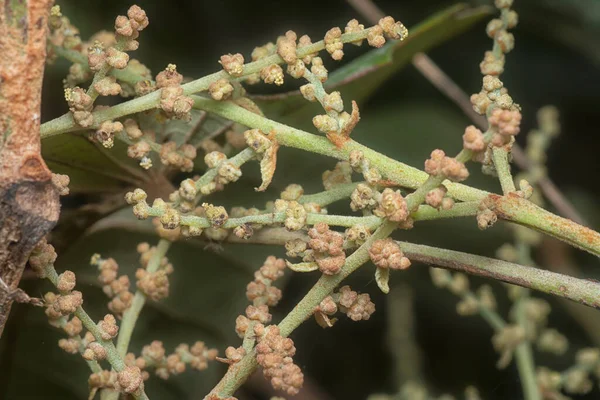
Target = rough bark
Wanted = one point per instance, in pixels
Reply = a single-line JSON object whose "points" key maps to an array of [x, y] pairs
{"points": [[29, 205]]}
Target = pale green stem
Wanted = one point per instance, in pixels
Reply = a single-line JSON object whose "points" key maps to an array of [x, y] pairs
{"points": [[400, 173], [517, 209], [112, 355], [131, 315], [124, 75], [423, 213], [336, 193], [524, 357], [500, 157], [581, 291], [238, 160]]}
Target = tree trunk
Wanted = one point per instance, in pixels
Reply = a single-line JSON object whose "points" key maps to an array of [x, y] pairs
{"points": [[29, 205]]}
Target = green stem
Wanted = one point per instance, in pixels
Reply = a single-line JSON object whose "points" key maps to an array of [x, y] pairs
{"points": [[338, 192], [517, 209], [400, 173], [524, 357], [500, 157], [581, 291], [131, 315]]}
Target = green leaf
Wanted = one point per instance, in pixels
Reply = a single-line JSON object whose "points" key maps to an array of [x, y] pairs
{"points": [[382, 277], [91, 168]]}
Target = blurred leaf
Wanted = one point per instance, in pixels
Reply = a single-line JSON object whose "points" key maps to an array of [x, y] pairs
{"points": [[90, 168]]}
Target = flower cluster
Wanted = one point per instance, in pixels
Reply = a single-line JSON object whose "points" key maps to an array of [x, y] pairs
{"points": [[154, 356], [154, 285], [114, 286], [328, 248], [172, 100], [441, 165], [274, 354]]}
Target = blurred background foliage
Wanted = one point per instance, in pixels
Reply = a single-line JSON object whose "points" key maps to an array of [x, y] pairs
{"points": [[416, 333]]}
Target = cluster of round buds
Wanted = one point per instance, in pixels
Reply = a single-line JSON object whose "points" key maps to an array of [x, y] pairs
{"points": [[337, 124], [360, 164], [130, 380], [493, 64], [363, 197], [341, 174], [295, 214], [94, 351], [486, 217], [441, 165], [334, 44], [62, 32], [220, 89], [103, 380], [356, 236], [61, 305], [392, 206], [105, 133], [473, 139], [108, 327], [108, 86], [286, 47], [328, 248], [154, 285], [233, 355], [272, 74], [274, 354], [552, 341], [114, 286], [154, 355], [390, 28], [80, 104], [137, 198], [226, 171], [493, 93], [437, 198], [61, 183], [353, 26], [75, 342], [357, 307], [233, 64], [172, 100], [298, 248], [128, 27], [327, 308], [471, 303], [385, 253], [261, 290], [141, 148], [506, 341], [181, 158], [42, 256], [506, 123]]}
